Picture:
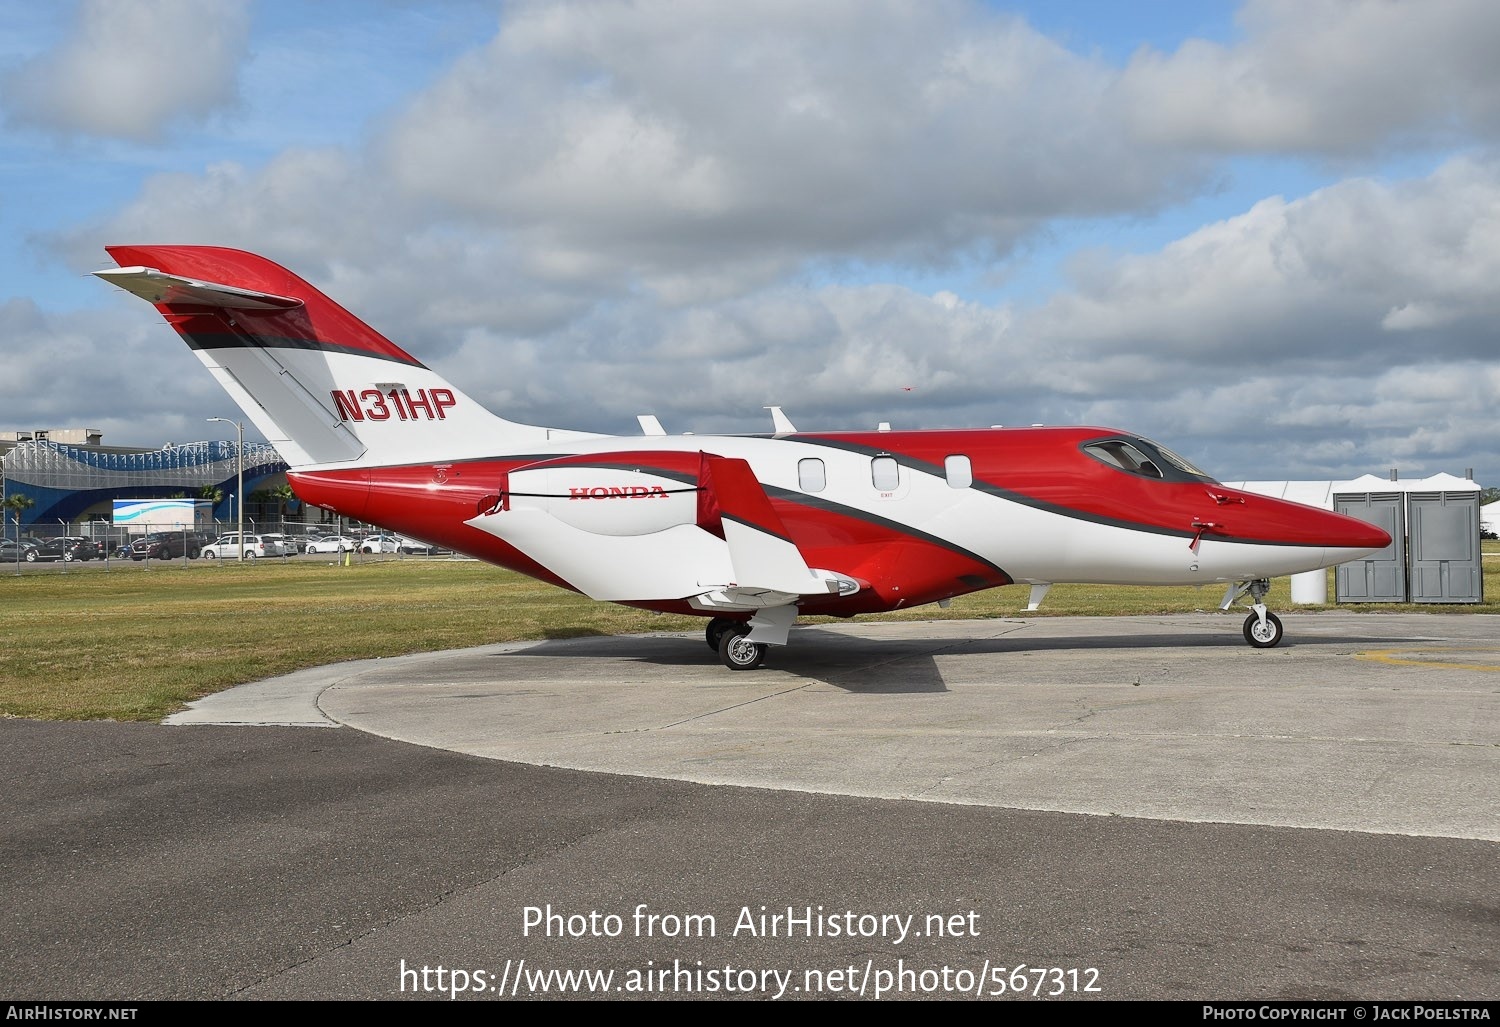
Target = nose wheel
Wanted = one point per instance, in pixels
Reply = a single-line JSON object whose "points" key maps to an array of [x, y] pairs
{"points": [[1263, 635], [1262, 627]]}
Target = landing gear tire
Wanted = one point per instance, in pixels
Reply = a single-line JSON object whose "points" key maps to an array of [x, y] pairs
{"points": [[737, 651], [1263, 637], [715, 630]]}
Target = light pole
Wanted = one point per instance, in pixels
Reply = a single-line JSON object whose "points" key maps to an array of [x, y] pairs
{"points": [[239, 464]]}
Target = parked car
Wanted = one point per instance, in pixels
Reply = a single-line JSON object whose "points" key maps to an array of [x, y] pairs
{"points": [[167, 545], [12, 551], [285, 545], [332, 544], [405, 544], [33, 549], [378, 544], [66, 548], [227, 547]]}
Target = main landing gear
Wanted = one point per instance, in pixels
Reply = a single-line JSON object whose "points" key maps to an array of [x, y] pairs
{"points": [[726, 637], [1262, 628]]}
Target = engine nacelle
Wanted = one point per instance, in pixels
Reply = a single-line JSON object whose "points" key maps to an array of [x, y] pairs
{"points": [[611, 493]]}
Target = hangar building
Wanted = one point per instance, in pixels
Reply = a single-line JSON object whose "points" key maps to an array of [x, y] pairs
{"points": [[72, 478]]}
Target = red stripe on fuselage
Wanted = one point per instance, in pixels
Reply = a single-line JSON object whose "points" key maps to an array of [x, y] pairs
{"points": [[1047, 468], [901, 568], [410, 500], [1042, 468]]}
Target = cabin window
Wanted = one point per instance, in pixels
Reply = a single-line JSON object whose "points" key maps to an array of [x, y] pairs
{"points": [[1124, 456], [960, 472], [885, 473], [811, 475]]}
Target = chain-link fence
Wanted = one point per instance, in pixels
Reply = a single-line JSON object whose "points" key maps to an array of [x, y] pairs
{"points": [[94, 543]]}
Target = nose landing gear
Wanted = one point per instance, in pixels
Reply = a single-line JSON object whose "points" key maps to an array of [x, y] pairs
{"points": [[1263, 634], [1262, 628]]}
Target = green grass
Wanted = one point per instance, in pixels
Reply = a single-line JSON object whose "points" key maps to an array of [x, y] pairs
{"points": [[133, 644]]}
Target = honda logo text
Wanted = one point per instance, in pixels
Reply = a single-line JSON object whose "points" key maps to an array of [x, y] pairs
{"points": [[619, 492]]}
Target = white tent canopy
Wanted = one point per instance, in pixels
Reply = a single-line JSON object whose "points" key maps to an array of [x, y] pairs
{"points": [[1321, 493]]}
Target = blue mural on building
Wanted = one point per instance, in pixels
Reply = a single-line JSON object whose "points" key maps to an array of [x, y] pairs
{"points": [[64, 481]]}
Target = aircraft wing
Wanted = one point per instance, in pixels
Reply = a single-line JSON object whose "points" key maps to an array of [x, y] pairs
{"points": [[648, 535]]}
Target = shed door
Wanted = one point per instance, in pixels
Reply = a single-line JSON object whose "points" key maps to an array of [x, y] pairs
{"points": [[1380, 577], [1445, 556]]}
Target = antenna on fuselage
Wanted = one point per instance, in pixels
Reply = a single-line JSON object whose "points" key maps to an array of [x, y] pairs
{"points": [[781, 424]]}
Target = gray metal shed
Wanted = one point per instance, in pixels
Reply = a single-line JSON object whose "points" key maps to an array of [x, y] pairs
{"points": [[1434, 555]]}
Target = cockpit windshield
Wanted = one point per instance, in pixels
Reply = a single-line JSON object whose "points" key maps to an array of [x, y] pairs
{"points": [[1145, 458]]}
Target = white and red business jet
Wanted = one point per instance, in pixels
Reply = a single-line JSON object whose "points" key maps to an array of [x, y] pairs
{"points": [[749, 530]]}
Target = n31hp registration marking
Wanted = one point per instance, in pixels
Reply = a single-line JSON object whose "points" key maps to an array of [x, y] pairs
{"points": [[374, 405]]}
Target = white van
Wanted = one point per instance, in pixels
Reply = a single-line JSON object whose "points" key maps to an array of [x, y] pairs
{"points": [[227, 547]]}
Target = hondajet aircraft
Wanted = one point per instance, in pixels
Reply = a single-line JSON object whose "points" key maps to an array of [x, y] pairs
{"points": [[748, 530]]}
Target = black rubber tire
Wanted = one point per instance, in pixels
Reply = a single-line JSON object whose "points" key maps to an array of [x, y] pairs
{"points": [[1263, 639], [738, 653], [716, 629]]}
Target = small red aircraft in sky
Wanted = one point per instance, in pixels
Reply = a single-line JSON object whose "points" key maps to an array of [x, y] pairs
{"points": [[750, 531]]}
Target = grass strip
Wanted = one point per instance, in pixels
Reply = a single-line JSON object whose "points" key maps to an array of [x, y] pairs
{"points": [[131, 644]]}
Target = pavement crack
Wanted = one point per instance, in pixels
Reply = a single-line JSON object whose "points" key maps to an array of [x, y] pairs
{"points": [[736, 706], [417, 910]]}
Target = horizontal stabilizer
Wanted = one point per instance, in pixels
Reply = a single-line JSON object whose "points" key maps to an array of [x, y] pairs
{"points": [[163, 289]]}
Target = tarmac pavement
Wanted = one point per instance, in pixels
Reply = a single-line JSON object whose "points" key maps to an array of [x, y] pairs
{"points": [[1142, 805], [1363, 723]]}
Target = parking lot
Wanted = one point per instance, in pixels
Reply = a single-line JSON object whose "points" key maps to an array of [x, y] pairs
{"points": [[118, 564]]}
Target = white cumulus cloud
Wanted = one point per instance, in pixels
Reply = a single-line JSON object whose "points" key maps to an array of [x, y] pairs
{"points": [[1332, 77], [131, 68]]}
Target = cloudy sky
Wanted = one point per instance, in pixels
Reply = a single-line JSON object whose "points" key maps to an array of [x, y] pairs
{"points": [[1266, 234]]}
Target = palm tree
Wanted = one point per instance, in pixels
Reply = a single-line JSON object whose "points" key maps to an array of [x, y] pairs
{"points": [[16, 502], [283, 495]]}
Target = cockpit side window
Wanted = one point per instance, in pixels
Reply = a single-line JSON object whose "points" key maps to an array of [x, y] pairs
{"points": [[1123, 455], [1144, 458]]}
